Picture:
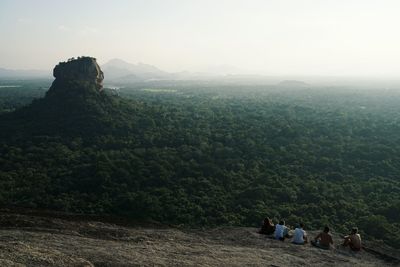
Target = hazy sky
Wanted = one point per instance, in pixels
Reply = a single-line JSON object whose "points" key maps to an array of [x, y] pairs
{"points": [[280, 37]]}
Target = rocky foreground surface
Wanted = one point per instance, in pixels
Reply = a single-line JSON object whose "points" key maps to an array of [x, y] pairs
{"points": [[30, 239]]}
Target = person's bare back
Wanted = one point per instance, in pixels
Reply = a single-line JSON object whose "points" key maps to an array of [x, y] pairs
{"points": [[325, 239], [353, 240]]}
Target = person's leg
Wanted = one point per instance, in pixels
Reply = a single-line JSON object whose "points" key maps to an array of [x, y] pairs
{"points": [[269, 231], [286, 233], [323, 247], [262, 230], [318, 245], [353, 248]]}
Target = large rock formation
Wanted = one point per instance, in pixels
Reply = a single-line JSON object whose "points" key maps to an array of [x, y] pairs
{"points": [[77, 74], [75, 105]]}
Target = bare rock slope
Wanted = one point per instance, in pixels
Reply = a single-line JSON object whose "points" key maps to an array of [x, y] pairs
{"points": [[37, 240]]}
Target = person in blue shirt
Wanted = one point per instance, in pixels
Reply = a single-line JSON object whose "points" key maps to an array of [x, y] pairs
{"points": [[281, 231], [300, 236]]}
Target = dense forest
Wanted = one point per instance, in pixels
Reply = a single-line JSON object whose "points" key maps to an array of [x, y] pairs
{"points": [[207, 154]]}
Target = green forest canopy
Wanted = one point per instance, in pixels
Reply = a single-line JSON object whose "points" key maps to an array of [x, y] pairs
{"points": [[213, 155]]}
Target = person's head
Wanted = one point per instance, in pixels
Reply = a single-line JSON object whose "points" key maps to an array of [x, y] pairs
{"points": [[301, 225], [326, 229], [354, 230], [282, 222]]}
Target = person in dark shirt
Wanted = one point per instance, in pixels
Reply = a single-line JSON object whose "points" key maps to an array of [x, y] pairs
{"points": [[268, 227]]}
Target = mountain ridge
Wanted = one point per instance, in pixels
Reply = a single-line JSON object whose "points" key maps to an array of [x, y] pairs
{"points": [[120, 69]]}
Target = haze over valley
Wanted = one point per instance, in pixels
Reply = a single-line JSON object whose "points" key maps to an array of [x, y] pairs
{"points": [[168, 132]]}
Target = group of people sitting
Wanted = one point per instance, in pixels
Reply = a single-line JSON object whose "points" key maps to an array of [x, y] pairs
{"points": [[323, 240]]}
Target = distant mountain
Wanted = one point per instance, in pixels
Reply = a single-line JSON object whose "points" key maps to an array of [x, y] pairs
{"points": [[293, 83], [221, 70], [8, 73], [117, 69]]}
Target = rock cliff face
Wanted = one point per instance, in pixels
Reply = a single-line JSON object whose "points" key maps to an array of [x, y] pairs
{"points": [[77, 74]]}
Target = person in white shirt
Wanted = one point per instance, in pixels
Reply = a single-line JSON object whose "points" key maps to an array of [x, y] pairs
{"points": [[281, 231], [300, 236]]}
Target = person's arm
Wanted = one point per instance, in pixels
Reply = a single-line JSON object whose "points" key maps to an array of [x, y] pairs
{"points": [[318, 236], [331, 240]]}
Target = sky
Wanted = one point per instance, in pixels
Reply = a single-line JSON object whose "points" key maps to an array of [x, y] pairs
{"points": [[271, 37]]}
